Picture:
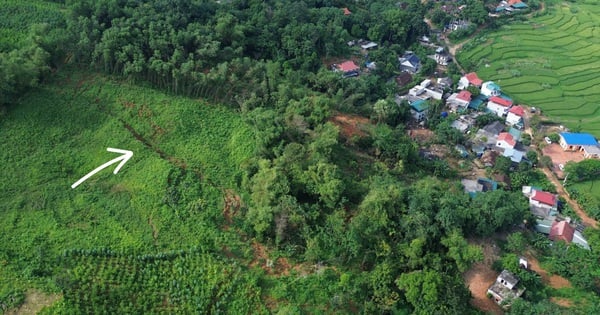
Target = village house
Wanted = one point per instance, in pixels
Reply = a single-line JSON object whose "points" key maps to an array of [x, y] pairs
{"points": [[490, 89], [410, 62], [582, 142], [515, 155], [505, 289], [543, 205], [473, 186], [441, 56], [499, 105], [515, 116], [347, 68], [505, 141], [419, 110], [459, 101], [346, 11], [561, 230], [488, 135], [469, 79], [425, 91], [445, 82]]}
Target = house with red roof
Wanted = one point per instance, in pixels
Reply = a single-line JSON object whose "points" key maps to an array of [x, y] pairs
{"points": [[459, 100], [346, 11], [499, 105], [506, 141], [562, 231], [515, 116], [543, 199], [469, 79], [347, 68]]}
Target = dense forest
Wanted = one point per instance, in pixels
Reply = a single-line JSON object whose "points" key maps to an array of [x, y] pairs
{"points": [[386, 227]]}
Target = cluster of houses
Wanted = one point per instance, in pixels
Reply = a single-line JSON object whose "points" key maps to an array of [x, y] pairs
{"points": [[544, 206]]}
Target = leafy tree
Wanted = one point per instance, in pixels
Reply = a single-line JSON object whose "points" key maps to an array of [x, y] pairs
{"points": [[532, 156], [460, 251], [503, 165], [554, 137], [546, 161]]}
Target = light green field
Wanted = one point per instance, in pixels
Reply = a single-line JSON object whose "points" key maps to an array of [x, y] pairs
{"points": [[168, 197], [551, 62]]}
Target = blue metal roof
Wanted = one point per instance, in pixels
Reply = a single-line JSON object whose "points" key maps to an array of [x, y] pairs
{"points": [[579, 138], [419, 105]]}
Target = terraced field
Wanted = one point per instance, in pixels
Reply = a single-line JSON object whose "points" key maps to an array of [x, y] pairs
{"points": [[551, 62]]}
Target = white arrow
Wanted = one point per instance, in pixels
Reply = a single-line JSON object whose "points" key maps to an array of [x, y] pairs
{"points": [[126, 155]]}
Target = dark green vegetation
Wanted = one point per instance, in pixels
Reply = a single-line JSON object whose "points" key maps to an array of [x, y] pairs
{"points": [[583, 185], [548, 61], [242, 195]]}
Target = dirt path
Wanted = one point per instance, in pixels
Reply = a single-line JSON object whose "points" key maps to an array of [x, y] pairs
{"points": [[554, 281], [587, 221], [34, 302]]}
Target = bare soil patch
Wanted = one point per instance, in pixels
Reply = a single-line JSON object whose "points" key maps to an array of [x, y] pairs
{"points": [[481, 276], [34, 302], [421, 135], [561, 301], [554, 281], [351, 125]]}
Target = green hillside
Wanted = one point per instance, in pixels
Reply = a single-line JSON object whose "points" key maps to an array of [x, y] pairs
{"points": [[168, 197]]}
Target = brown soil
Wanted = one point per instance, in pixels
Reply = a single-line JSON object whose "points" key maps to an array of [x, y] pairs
{"points": [[154, 230], [231, 205], [554, 281], [481, 276], [350, 125], [421, 135], [561, 301], [34, 302]]}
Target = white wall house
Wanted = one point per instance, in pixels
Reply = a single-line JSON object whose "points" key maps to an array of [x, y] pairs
{"points": [[515, 116], [499, 106], [505, 141]]}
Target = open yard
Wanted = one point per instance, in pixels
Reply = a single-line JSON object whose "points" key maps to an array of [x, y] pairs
{"points": [[559, 156], [550, 62]]}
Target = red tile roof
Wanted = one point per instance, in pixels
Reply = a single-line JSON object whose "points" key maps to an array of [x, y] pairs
{"points": [[346, 11], [517, 110], [505, 136], [473, 79], [562, 231], [511, 2], [544, 197], [347, 66], [464, 95], [501, 101]]}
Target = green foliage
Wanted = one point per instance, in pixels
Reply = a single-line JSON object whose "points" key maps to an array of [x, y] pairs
{"points": [[587, 169], [185, 281]]}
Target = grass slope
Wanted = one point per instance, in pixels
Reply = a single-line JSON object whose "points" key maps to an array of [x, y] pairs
{"points": [[168, 197], [550, 61]]}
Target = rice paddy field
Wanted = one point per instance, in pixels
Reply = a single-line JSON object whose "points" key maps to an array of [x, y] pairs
{"points": [[551, 61]]}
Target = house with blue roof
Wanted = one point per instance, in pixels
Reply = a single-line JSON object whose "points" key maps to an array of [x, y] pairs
{"points": [[419, 110], [490, 89], [583, 142]]}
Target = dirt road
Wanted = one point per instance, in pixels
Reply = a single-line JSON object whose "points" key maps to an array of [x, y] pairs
{"points": [[587, 221]]}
